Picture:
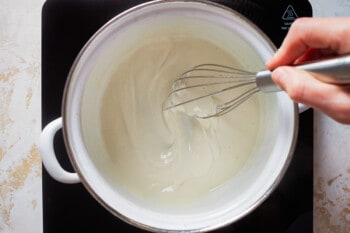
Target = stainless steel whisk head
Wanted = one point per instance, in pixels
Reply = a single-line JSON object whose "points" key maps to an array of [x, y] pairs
{"points": [[214, 80], [208, 80]]}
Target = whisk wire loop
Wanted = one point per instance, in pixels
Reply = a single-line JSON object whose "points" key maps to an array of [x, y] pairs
{"points": [[220, 69], [212, 80], [224, 108]]}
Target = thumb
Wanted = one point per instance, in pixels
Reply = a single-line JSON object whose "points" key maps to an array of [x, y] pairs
{"points": [[304, 87], [298, 84]]}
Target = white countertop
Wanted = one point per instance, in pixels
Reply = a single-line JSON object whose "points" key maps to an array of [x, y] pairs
{"points": [[20, 121], [20, 124]]}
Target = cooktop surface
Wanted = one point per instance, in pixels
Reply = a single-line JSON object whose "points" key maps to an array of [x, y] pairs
{"points": [[66, 26]]}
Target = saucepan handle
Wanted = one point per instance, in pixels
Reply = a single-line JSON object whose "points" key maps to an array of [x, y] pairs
{"points": [[49, 156], [302, 107]]}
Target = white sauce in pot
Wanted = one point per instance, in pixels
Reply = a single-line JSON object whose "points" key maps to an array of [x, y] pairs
{"points": [[170, 157]]}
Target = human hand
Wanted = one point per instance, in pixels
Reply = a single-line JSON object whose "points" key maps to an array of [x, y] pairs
{"points": [[310, 39]]}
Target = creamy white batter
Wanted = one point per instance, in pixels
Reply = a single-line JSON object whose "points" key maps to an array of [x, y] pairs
{"points": [[170, 157]]}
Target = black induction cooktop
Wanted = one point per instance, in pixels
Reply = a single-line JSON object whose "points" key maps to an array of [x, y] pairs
{"points": [[66, 26]]}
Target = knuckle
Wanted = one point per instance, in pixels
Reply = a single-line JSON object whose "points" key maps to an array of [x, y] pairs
{"points": [[343, 114], [339, 44], [299, 25], [296, 91]]}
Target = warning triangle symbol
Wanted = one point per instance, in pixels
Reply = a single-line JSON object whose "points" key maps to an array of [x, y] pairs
{"points": [[290, 13]]}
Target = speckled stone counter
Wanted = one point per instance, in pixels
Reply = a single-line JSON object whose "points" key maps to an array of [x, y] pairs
{"points": [[20, 163], [20, 124]]}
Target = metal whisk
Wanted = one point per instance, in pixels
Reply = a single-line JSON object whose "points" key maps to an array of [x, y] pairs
{"points": [[210, 80]]}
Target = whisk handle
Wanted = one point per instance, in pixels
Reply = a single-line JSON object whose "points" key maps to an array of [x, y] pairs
{"points": [[265, 83], [334, 70]]}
